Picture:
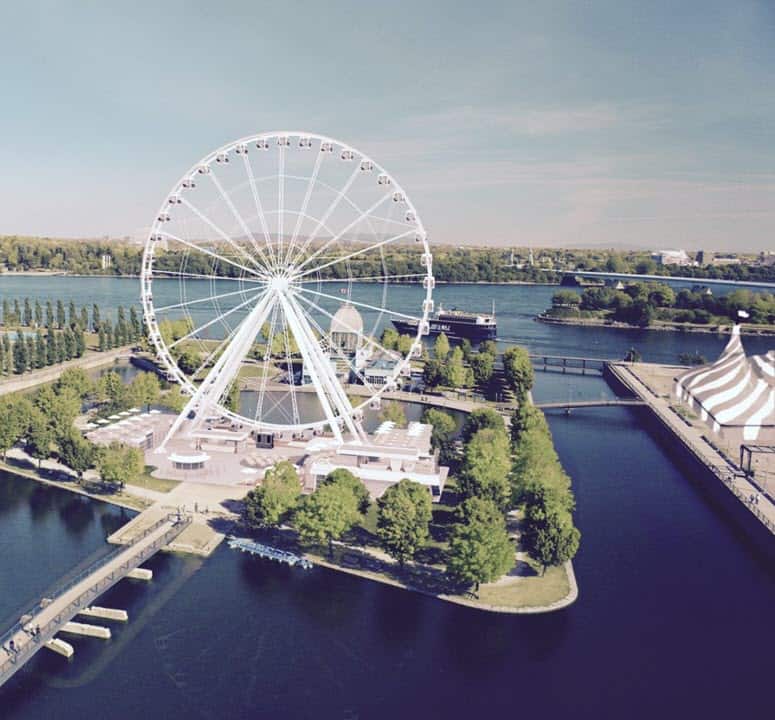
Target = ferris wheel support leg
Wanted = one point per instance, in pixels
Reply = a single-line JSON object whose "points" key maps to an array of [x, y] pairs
{"points": [[328, 389], [224, 371], [342, 402]]}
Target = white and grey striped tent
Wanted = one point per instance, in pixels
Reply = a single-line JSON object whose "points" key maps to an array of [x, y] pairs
{"points": [[735, 395]]}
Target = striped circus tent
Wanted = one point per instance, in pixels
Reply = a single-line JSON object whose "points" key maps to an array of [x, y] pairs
{"points": [[735, 395]]}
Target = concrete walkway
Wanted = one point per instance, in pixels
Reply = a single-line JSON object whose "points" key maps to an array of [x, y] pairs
{"points": [[52, 614], [694, 439]]}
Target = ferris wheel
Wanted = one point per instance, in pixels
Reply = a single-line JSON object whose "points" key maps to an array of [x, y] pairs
{"points": [[269, 273]]}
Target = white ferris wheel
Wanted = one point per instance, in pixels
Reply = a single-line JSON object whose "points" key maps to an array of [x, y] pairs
{"points": [[272, 266]]}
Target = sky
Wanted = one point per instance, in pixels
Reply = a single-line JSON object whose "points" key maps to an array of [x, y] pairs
{"points": [[611, 123]]}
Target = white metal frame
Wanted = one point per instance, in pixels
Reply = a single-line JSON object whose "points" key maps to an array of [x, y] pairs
{"points": [[274, 278]]}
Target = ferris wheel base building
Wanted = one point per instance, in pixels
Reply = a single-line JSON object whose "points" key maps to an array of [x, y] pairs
{"points": [[225, 457]]}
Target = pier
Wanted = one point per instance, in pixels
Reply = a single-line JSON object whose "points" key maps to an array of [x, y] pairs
{"points": [[650, 383], [50, 615], [268, 552]]}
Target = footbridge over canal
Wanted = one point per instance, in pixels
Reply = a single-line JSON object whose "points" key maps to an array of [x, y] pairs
{"points": [[572, 405], [36, 628]]}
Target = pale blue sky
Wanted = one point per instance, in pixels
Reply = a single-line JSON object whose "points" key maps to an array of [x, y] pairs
{"points": [[509, 123]]}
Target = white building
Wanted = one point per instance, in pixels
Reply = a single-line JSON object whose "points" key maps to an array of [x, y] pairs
{"points": [[390, 455]]}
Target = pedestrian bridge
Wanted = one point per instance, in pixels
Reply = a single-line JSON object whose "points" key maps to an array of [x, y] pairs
{"points": [[50, 614], [568, 406]]}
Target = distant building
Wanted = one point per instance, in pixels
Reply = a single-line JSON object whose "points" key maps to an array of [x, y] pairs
{"points": [[767, 259], [720, 260], [671, 257], [106, 261]]}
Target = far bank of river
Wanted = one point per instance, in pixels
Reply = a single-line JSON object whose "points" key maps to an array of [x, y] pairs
{"points": [[658, 325]]}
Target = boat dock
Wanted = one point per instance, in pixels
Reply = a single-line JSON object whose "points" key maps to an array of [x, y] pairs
{"points": [[268, 552], [652, 384], [38, 627]]}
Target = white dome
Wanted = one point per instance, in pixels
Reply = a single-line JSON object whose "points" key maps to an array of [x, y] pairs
{"points": [[347, 320]]}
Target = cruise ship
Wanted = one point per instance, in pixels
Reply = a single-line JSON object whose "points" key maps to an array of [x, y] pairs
{"points": [[456, 325]]}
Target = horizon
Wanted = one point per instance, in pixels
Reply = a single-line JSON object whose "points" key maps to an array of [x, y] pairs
{"points": [[613, 126]]}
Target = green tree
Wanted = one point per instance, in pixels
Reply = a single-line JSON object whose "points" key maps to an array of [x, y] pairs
{"points": [[39, 436], [13, 423], [77, 452], [432, 373], [389, 339], [443, 424], [174, 399], [456, 374], [84, 319], [144, 389], [60, 314], [548, 533], [38, 314], [518, 371], [482, 365], [27, 320], [270, 504], [487, 466], [441, 347], [76, 379], [393, 412], [119, 464], [403, 516], [95, 317], [232, 399], [480, 550], [20, 359], [345, 479], [111, 388], [480, 419], [40, 350], [65, 408], [72, 314], [49, 315], [326, 515]]}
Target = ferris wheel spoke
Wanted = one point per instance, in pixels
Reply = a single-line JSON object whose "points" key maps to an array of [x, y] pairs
{"points": [[260, 210], [214, 353], [202, 276], [358, 278], [206, 251], [363, 305], [245, 229], [290, 371], [225, 236], [361, 335], [329, 211], [201, 300], [219, 318], [355, 253], [350, 226], [303, 212], [280, 199], [267, 358]]}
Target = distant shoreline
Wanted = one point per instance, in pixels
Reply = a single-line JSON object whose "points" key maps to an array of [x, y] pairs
{"points": [[667, 327]]}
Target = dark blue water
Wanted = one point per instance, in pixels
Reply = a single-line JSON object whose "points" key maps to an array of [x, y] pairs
{"points": [[674, 616]]}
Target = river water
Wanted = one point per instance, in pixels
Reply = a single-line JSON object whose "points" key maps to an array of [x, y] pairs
{"points": [[674, 616]]}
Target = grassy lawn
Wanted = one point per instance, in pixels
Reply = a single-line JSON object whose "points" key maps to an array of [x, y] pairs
{"points": [[151, 483], [255, 371], [527, 588]]}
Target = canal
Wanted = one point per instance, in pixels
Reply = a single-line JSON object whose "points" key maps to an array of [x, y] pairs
{"points": [[674, 615]]}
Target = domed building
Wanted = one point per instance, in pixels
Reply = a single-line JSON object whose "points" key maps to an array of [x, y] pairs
{"points": [[346, 329]]}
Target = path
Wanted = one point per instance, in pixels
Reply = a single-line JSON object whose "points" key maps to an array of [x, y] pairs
{"points": [[50, 615], [90, 360]]}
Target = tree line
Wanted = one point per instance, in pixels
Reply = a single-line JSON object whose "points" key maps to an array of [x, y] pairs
{"points": [[641, 303], [450, 264]]}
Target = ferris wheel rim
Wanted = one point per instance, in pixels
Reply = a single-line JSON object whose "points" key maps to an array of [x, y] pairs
{"points": [[147, 275]]}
